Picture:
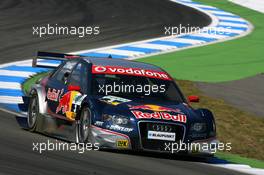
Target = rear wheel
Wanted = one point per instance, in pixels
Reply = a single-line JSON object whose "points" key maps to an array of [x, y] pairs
{"points": [[33, 113], [83, 125]]}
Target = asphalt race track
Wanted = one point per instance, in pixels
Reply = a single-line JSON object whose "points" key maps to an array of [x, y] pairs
{"points": [[17, 157], [245, 94], [120, 21]]}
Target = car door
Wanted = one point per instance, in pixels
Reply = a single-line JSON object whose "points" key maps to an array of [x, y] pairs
{"points": [[76, 85], [56, 88]]}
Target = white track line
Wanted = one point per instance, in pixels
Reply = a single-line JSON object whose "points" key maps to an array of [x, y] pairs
{"points": [[230, 18], [233, 24], [242, 168], [207, 35], [9, 85], [11, 100], [154, 46], [25, 64], [202, 6], [39, 63], [121, 52], [187, 41], [16, 73], [229, 30], [185, 1], [15, 63], [220, 12]]}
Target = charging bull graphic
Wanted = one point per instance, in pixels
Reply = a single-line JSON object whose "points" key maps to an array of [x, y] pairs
{"points": [[69, 103], [154, 108]]}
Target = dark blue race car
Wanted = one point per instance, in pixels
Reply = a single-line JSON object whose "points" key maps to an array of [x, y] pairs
{"points": [[117, 104]]}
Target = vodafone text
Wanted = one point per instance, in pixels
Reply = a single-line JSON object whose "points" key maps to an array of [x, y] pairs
{"points": [[130, 71]]}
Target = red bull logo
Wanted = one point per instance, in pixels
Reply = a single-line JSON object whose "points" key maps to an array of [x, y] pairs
{"points": [[160, 115], [155, 108], [54, 94], [66, 104]]}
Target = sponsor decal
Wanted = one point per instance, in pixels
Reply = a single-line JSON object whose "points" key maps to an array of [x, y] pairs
{"points": [[54, 94], [78, 98], [64, 103], [71, 56], [113, 100], [160, 115], [120, 128], [70, 103], [122, 143], [155, 108], [130, 71], [157, 135], [160, 127], [99, 123]]}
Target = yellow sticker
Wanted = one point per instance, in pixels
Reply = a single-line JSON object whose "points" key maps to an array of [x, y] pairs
{"points": [[122, 143]]}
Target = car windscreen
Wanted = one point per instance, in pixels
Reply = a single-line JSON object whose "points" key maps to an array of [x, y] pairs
{"points": [[136, 87]]}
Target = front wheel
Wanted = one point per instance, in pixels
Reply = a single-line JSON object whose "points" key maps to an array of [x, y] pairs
{"points": [[83, 126], [33, 113]]}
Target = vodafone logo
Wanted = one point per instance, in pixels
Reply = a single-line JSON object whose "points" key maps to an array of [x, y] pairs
{"points": [[130, 71], [100, 69]]}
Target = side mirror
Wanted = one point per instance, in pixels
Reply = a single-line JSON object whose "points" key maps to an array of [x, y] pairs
{"points": [[65, 77], [193, 98], [74, 88]]}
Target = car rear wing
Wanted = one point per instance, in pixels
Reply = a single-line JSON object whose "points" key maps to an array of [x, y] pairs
{"points": [[51, 60]]}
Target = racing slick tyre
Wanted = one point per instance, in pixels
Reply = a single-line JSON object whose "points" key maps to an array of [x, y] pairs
{"points": [[83, 125], [33, 113]]}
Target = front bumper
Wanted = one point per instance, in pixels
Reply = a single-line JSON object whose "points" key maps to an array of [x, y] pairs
{"points": [[109, 139], [115, 140], [157, 145]]}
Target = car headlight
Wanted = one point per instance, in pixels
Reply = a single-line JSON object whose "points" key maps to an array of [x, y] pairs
{"points": [[198, 127], [116, 119]]}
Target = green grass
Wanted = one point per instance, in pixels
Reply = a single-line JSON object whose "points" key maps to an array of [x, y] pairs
{"points": [[243, 130], [26, 86], [230, 60], [240, 160]]}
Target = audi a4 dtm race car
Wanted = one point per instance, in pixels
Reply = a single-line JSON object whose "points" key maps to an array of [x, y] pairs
{"points": [[116, 103]]}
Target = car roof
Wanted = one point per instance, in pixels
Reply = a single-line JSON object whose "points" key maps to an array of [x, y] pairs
{"points": [[122, 63]]}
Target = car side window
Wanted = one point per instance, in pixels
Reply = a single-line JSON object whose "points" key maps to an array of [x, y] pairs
{"points": [[67, 68], [79, 77]]}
